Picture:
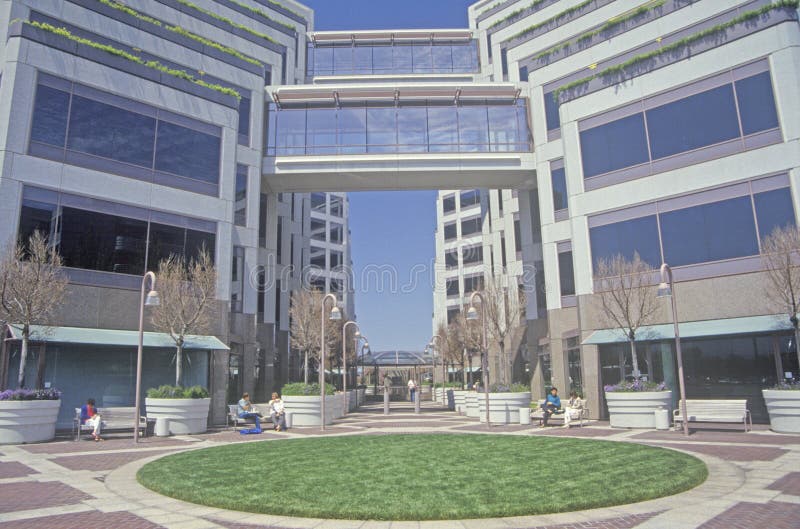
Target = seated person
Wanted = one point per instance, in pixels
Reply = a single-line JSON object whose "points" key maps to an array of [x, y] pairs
{"points": [[247, 411], [277, 412], [90, 417], [574, 406], [550, 406]]}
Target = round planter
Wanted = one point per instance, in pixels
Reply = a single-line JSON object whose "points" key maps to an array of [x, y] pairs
{"points": [[784, 410], [471, 402], [460, 397], [186, 416], [636, 409], [28, 421], [305, 410], [503, 407], [351, 400], [362, 396]]}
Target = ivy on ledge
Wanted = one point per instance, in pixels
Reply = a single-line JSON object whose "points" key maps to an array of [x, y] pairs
{"points": [[155, 65], [260, 12], [678, 45], [554, 18], [227, 21], [180, 31], [515, 13]]}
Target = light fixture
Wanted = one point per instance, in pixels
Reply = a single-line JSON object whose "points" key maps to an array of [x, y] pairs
{"points": [[153, 299], [336, 314], [472, 314], [366, 345], [357, 334], [664, 290]]}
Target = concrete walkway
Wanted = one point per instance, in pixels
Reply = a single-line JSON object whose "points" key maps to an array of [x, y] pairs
{"points": [[754, 480]]}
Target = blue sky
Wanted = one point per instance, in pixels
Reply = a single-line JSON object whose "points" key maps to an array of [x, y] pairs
{"points": [[392, 228]]}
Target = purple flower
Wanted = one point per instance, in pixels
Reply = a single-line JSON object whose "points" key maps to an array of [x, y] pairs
{"points": [[636, 385], [30, 394]]}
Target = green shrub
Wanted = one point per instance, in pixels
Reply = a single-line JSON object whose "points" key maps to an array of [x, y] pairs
{"points": [[505, 388], [177, 392], [300, 389]]}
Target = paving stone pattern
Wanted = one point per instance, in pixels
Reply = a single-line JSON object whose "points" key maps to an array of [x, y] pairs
{"points": [[772, 515]]}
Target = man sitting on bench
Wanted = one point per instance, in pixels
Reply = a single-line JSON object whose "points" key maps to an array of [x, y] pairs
{"points": [[246, 411], [550, 406]]}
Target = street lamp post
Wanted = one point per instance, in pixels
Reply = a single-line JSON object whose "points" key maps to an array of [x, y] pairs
{"points": [[364, 346], [150, 300], [432, 344], [357, 335], [472, 315], [334, 316], [667, 289]]}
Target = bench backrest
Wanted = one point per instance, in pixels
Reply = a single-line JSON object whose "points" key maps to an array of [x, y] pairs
{"points": [[564, 402], [233, 409], [715, 408], [110, 414]]}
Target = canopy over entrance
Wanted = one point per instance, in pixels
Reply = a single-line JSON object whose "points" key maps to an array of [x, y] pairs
{"points": [[397, 359], [115, 337]]}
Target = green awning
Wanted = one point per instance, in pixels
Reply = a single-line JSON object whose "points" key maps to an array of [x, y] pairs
{"points": [[696, 329], [89, 336]]}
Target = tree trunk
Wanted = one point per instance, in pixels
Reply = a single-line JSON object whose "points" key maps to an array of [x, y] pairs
{"points": [[41, 366], [23, 356], [3, 365], [305, 368], [636, 373], [179, 364], [796, 349], [504, 372], [469, 360]]}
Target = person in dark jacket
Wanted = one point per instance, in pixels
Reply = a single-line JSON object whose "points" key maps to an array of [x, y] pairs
{"points": [[550, 406]]}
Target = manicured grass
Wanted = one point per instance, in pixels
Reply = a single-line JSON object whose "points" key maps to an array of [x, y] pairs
{"points": [[422, 477]]}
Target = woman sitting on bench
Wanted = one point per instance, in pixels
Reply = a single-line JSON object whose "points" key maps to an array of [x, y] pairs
{"points": [[91, 418]]}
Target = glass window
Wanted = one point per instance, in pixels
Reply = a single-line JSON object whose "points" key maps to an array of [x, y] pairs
{"points": [[37, 216], [279, 239], [442, 129], [470, 226], [244, 121], [551, 112], [423, 59], [692, 122], [111, 132], [452, 314], [472, 255], [545, 366], [412, 128], [318, 201], [559, 180], [523, 134], [469, 198], [465, 57], [262, 220], [382, 59], [196, 241], [710, 232], [187, 152], [165, 241], [381, 130], [523, 73], [318, 229], [323, 61], [517, 236], [240, 200], [566, 273], [97, 241], [472, 284], [343, 60], [337, 206], [362, 59], [337, 233], [473, 128], [756, 103], [321, 131], [616, 145], [450, 231], [262, 292], [773, 210], [337, 259], [442, 59], [291, 131], [573, 348], [237, 279], [402, 59], [50, 111], [353, 130], [451, 259], [318, 257], [452, 287], [503, 133], [449, 204], [626, 238]]}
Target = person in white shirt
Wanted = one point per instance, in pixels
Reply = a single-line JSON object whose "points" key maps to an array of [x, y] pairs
{"points": [[277, 412], [574, 406], [412, 388]]}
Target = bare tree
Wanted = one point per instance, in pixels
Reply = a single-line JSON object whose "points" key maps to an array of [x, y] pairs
{"points": [[187, 300], [504, 312], [32, 287], [627, 296], [780, 253], [304, 331]]}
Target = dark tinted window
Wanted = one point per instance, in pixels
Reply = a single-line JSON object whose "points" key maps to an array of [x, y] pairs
{"points": [[165, 241], [111, 132], [50, 110], [196, 241], [566, 274], [470, 226], [36, 216], [773, 210], [240, 200], [262, 220], [517, 236], [450, 231], [187, 152], [470, 198], [559, 188], [244, 121], [97, 241], [692, 122], [451, 259], [756, 103], [710, 232], [614, 146], [626, 238], [452, 287], [449, 204], [472, 255], [472, 283], [551, 112]]}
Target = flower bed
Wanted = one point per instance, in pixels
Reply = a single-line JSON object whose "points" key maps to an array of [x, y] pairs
{"points": [[633, 404], [28, 416], [783, 405]]}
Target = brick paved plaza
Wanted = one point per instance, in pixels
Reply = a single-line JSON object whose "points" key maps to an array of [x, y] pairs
{"points": [[753, 480]]}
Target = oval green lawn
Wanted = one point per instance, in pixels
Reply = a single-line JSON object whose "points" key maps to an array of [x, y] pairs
{"points": [[422, 477]]}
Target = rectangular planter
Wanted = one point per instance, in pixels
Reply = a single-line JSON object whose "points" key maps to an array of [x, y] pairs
{"points": [[784, 410], [186, 416], [503, 407], [636, 409], [28, 421]]}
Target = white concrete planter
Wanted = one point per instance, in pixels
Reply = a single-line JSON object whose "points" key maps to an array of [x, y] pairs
{"points": [[460, 397], [362, 396], [784, 410], [636, 409], [306, 410], [186, 416], [471, 401], [503, 407], [28, 421], [338, 406], [351, 400]]}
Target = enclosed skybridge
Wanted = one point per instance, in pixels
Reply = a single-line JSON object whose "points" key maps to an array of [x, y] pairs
{"points": [[398, 136]]}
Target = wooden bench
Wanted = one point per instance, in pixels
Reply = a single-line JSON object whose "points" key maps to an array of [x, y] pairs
{"points": [[579, 415], [113, 419], [233, 416], [703, 410]]}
